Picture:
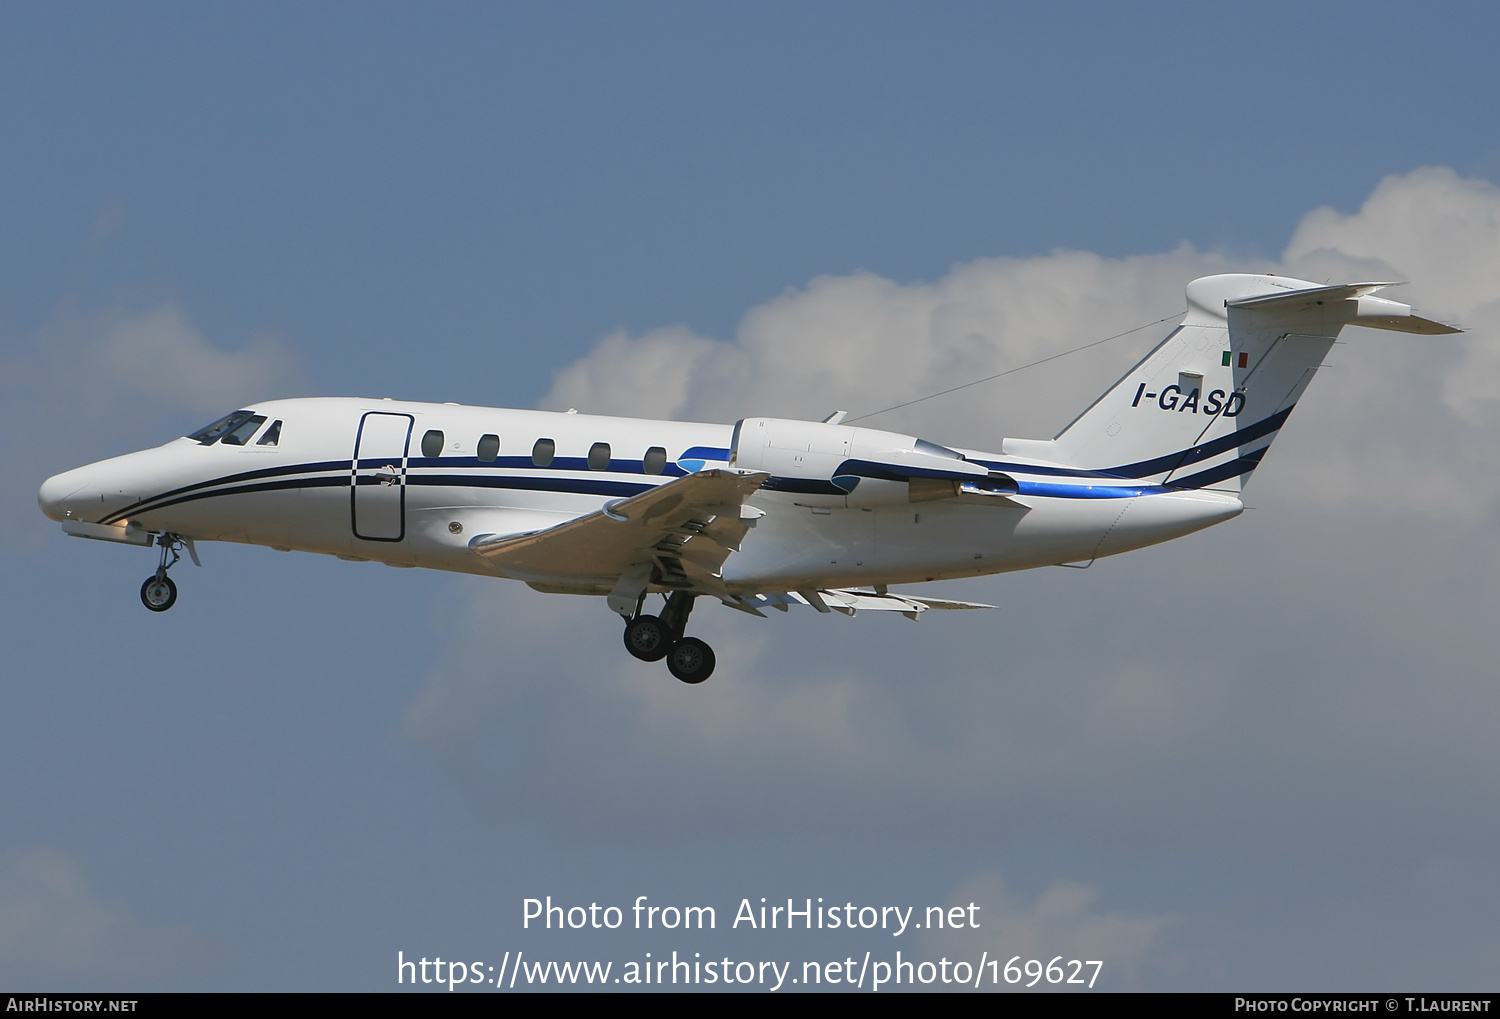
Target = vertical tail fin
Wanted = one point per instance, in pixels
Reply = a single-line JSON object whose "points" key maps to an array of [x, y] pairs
{"points": [[1201, 409]]}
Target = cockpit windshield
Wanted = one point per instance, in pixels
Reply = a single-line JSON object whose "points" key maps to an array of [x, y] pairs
{"points": [[216, 431], [272, 436], [241, 433]]}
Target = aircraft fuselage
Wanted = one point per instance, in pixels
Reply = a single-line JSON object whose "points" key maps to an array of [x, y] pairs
{"points": [[351, 478]]}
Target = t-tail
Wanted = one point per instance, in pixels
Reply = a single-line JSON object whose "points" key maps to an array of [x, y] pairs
{"points": [[1201, 409]]}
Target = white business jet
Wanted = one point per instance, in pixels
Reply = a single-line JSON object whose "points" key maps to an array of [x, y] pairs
{"points": [[763, 514]]}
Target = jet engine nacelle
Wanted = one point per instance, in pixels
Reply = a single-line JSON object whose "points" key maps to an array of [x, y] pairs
{"points": [[824, 464]]}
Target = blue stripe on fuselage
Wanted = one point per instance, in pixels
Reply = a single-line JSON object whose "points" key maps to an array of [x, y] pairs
{"points": [[1207, 451], [1055, 490]]}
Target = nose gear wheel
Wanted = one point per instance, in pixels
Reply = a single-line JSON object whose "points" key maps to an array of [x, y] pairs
{"points": [[158, 593]]}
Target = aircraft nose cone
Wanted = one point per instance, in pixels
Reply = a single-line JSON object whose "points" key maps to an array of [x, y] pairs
{"points": [[55, 491]]}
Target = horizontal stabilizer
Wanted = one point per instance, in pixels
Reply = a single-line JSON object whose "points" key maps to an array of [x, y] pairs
{"points": [[1402, 323], [1306, 297], [1362, 309]]}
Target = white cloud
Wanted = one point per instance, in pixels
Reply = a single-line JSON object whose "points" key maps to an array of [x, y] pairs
{"points": [[152, 363], [861, 342], [1433, 228], [53, 924], [1178, 690], [1062, 921], [1388, 407], [1415, 408]]}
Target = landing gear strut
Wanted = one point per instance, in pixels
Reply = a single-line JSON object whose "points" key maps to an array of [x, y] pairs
{"points": [[652, 638], [159, 593]]}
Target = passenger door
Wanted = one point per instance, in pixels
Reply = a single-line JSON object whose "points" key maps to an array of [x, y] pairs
{"points": [[378, 484]]}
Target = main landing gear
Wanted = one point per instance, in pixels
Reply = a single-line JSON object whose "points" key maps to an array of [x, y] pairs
{"points": [[652, 638], [159, 593]]}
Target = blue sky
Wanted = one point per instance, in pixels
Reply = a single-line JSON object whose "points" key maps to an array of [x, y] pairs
{"points": [[309, 765]]}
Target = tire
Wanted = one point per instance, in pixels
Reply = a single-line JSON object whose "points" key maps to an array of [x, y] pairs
{"points": [[646, 638], [158, 595], [691, 660]]}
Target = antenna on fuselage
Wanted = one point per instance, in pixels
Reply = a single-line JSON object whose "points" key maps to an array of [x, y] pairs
{"points": [[1012, 371]]}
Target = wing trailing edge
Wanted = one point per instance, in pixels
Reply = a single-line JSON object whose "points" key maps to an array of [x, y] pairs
{"points": [[848, 601], [675, 535]]}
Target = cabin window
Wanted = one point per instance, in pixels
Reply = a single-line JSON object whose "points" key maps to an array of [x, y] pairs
{"points": [[489, 447], [240, 434], [210, 434], [599, 456], [272, 435], [543, 452], [432, 444], [655, 460]]}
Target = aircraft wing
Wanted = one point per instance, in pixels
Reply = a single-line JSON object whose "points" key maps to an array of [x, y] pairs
{"points": [[677, 534], [685, 529], [849, 601]]}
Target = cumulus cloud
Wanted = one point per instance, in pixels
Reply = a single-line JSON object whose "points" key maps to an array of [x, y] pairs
{"points": [[55, 925], [862, 343], [1306, 689], [1062, 921], [1188, 691], [1418, 408], [94, 384], [1431, 227]]}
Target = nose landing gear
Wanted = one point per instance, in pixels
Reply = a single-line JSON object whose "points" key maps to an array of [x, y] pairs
{"points": [[652, 638], [159, 593]]}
